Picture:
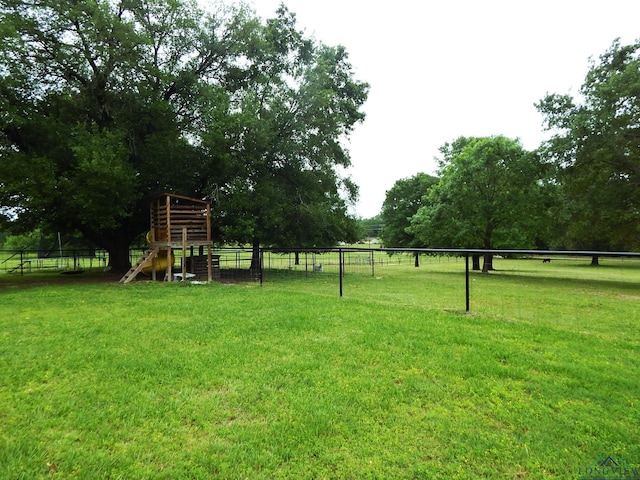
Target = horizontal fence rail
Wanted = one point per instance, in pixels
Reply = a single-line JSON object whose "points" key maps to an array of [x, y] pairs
{"points": [[345, 258]]}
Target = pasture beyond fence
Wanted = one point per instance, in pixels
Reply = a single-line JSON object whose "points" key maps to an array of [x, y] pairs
{"points": [[23, 262], [333, 265]]}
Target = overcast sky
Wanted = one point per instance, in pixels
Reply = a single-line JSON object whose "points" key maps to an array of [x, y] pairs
{"points": [[442, 69]]}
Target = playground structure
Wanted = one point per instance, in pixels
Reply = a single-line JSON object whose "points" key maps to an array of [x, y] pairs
{"points": [[177, 223]]}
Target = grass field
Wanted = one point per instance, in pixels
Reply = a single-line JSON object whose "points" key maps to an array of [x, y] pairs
{"points": [[287, 380]]}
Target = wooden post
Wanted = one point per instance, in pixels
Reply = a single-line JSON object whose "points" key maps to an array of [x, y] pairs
{"points": [[209, 269], [153, 268], [152, 223], [184, 253], [208, 222], [168, 206], [169, 266], [373, 265]]}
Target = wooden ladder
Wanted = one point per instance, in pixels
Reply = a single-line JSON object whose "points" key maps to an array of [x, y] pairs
{"points": [[137, 268]]}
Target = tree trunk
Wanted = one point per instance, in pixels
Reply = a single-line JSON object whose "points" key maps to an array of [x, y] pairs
{"points": [[255, 257], [119, 261], [116, 243], [595, 261], [487, 266], [297, 258], [476, 262]]}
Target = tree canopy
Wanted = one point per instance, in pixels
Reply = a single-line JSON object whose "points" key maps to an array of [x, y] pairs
{"points": [[283, 183], [596, 148], [370, 227], [107, 103], [489, 196], [401, 202]]}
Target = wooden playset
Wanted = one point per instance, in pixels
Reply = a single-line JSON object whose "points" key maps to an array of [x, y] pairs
{"points": [[177, 223]]}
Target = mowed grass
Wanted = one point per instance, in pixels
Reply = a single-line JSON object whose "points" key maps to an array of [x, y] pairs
{"points": [[287, 380]]}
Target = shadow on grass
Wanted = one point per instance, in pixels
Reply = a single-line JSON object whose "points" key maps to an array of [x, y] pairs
{"points": [[29, 280], [529, 278]]}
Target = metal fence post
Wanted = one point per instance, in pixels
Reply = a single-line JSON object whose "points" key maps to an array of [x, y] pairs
{"points": [[466, 276], [261, 267], [340, 269], [373, 265]]}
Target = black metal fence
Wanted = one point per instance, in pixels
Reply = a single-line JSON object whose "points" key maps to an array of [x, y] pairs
{"points": [[345, 260], [334, 264]]}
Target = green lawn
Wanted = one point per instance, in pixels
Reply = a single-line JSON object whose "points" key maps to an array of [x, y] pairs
{"points": [[287, 380]]}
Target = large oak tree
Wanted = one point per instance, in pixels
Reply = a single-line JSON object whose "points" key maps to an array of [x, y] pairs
{"points": [[299, 108], [402, 202], [106, 103], [490, 195], [596, 148]]}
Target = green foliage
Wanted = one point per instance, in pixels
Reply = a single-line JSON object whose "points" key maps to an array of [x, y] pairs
{"points": [[27, 241], [107, 104], [595, 147], [300, 103], [400, 204], [103, 111], [489, 195], [370, 227]]}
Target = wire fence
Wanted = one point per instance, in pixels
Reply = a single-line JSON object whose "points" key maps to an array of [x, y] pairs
{"points": [[342, 262], [345, 261], [21, 262], [337, 267], [277, 261]]}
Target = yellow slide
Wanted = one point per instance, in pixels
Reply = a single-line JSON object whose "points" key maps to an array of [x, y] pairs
{"points": [[161, 260]]}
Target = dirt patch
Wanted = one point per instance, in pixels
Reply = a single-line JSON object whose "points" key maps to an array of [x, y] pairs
{"points": [[627, 296]]}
